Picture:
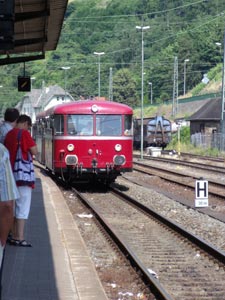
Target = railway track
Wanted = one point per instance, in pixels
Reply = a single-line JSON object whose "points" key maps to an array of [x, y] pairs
{"points": [[184, 155], [159, 258], [213, 165], [178, 183], [182, 177], [173, 263]]}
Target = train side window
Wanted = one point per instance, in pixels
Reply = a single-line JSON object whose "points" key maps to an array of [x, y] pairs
{"points": [[44, 125], [50, 123], [58, 125], [39, 127], [128, 130], [47, 125]]}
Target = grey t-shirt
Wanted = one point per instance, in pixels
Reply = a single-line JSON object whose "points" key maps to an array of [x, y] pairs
{"points": [[5, 127]]}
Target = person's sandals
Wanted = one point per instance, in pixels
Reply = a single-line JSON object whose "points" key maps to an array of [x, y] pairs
{"points": [[22, 243], [9, 238]]}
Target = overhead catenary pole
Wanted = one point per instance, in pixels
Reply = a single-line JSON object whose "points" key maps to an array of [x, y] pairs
{"points": [[110, 85], [99, 71], [219, 45], [150, 83], [142, 28], [65, 78], [175, 87], [31, 82], [185, 62], [223, 96]]}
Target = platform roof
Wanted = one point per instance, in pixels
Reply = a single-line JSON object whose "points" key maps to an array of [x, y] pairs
{"points": [[211, 111], [37, 26]]}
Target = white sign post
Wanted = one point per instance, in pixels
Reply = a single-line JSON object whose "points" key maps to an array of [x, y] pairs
{"points": [[201, 193]]}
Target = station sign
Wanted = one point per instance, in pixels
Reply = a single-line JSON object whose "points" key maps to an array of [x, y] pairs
{"points": [[24, 83], [201, 193]]}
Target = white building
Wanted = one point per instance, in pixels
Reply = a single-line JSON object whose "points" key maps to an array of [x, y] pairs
{"points": [[38, 100]]}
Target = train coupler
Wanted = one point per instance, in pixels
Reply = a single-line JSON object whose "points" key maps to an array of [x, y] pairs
{"points": [[94, 165], [109, 167]]}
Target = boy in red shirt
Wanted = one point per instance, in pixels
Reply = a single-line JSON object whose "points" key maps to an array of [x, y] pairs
{"points": [[22, 205]]}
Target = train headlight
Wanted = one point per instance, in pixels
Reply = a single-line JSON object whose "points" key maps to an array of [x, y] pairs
{"points": [[94, 108], [119, 160], [71, 160], [118, 147], [70, 147], [90, 151]]}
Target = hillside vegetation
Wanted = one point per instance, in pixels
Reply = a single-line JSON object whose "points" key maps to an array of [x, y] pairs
{"points": [[179, 30]]}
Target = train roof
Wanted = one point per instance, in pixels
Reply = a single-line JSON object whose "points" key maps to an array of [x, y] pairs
{"points": [[152, 119], [90, 106]]}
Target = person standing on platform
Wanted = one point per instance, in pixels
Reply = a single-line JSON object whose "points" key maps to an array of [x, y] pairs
{"points": [[22, 205], [10, 117], [8, 193]]}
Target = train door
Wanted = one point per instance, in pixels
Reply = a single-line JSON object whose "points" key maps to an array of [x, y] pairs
{"points": [[48, 144], [41, 134], [57, 132]]}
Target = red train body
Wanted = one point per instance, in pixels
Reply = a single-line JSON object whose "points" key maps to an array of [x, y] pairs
{"points": [[101, 154]]}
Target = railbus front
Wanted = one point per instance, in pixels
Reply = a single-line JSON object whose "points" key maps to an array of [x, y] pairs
{"points": [[101, 153]]}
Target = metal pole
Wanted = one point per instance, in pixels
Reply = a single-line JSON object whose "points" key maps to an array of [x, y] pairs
{"points": [[142, 92], [223, 95], [65, 81], [31, 81], [99, 77], [219, 45], [151, 93], [150, 83], [110, 84], [175, 87], [142, 85], [179, 139], [99, 72], [65, 78], [185, 61]]}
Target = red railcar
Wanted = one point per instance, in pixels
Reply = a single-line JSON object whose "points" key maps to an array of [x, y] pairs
{"points": [[102, 152]]}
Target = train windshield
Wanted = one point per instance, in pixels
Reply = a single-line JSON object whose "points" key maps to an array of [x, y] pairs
{"points": [[109, 125], [106, 125], [80, 124]]}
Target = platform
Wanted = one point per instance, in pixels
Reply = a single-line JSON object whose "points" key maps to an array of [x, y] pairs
{"points": [[58, 266]]}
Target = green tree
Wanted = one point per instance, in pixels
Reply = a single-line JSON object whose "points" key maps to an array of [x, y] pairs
{"points": [[177, 28], [124, 88]]}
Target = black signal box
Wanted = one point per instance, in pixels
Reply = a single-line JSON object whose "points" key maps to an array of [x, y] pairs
{"points": [[24, 84]]}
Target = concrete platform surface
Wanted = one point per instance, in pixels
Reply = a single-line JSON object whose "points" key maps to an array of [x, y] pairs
{"points": [[58, 266]]}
